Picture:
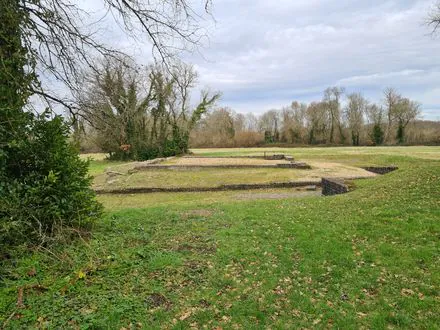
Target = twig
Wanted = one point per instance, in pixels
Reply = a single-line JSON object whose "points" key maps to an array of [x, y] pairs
{"points": [[8, 319]]}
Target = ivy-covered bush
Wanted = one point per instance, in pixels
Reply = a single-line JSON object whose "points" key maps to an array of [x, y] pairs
{"points": [[140, 114], [44, 185]]}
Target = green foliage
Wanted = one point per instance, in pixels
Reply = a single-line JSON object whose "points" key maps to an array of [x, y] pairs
{"points": [[400, 134], [355, 138], [378, 134], [44, 185]]}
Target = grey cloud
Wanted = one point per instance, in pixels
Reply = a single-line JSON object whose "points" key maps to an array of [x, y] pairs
{"points": [[264, 54], [267, 53]]}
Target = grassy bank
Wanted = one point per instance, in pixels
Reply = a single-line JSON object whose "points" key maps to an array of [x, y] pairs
{"points": [[369, 259]]}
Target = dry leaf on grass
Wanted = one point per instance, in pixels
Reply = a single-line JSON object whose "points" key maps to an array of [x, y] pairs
{"points": [[185, 315]]}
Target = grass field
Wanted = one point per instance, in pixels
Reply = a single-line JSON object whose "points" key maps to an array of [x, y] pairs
{"points": [[368, 259], [348, 154]]}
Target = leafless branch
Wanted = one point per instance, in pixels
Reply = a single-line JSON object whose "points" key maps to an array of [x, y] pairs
{"points": [[61, 45]]}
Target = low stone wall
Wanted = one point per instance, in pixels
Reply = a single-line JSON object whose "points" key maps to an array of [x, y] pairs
{"points": [[294, 165], [275, 157], [380, 169], [268, 157], [297, 165], [145, 190], [332, 186]]}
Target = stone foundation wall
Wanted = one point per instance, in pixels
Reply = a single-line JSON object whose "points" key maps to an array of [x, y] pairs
{"points": [[201, 167], [380, 169], [145, 190], [297, 165], [332, 186], [268, 157]]}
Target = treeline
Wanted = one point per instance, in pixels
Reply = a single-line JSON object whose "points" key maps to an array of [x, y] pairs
{"points": [[338, 119]]}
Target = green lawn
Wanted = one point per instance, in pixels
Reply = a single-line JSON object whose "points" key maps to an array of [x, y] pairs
{"points": [[348, 154], [368, 259]]}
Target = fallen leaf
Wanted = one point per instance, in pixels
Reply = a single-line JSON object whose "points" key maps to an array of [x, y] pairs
{"points": [[20, 298], [185, 316], [226, 318], [32, 272], [407, 292]]}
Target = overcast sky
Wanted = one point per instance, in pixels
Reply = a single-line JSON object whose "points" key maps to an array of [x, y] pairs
{"points": [[265, 54]]}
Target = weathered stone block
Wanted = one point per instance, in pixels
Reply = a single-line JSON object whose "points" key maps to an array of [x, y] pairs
{"points": [[380, 169], [331, 186]]}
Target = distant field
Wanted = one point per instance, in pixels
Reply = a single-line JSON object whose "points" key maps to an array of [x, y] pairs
{"points": [[332, 152], [265, 259]]}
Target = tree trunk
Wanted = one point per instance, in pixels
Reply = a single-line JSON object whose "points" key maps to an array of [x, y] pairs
{"points": [[14, 82]]}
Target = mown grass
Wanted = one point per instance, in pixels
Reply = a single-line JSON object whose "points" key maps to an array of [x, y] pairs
{"points": [[347, 154], [214, 177], [367, 259]]}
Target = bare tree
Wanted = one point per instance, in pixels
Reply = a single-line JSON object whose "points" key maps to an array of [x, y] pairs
{"points": [[218, 127], [60, 44], [354, 114], [269, 123], [251, 122], [374, 114], [239, 122], [332, 97], [317, 122], [391, 99], [434, 17], [293, 122], [404, 112]]}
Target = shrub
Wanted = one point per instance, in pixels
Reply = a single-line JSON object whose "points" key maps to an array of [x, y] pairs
{"points": [[377, 135], [44, 185]]}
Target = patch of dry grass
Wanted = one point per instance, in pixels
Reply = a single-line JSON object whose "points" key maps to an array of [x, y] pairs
{"points": [[174, 178]]}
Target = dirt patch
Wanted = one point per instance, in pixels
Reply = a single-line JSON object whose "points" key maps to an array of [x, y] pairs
{"points": [[155, 300], [196, 214], [197, 248], [327, 169]]}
